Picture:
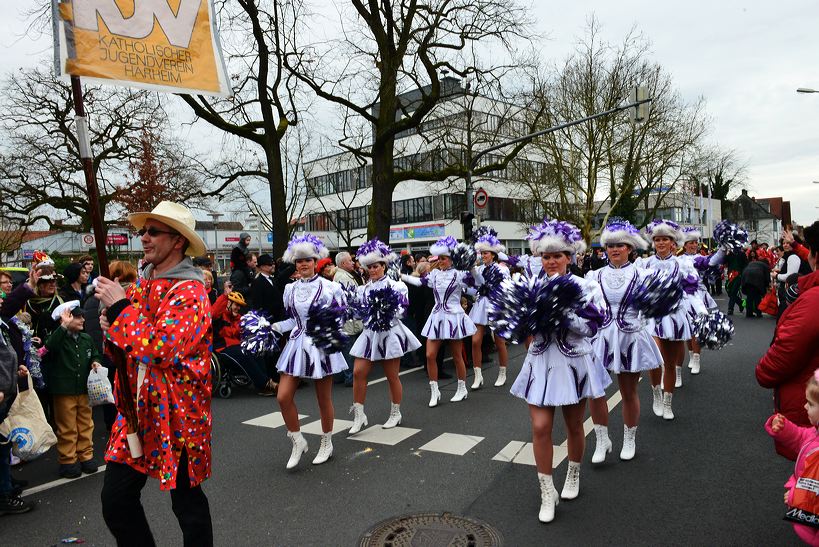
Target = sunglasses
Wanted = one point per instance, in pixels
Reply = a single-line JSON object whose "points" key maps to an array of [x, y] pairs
{"points": [[153, 232]]}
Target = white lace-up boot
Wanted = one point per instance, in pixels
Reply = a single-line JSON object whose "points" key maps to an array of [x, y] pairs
{"points": [[571, 488], [478, 383], [690, 356], [501, 377], [667, 412], [548, 498], [460, 393], [629, 442], [395, 416], [694, 363], [299, 448], [434, 394], [359, 418], [603, 444], [325, 450], [657, 403], [678, 381]]}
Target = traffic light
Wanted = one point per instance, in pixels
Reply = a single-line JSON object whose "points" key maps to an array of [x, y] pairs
{"points": [[467, 221], [640, 112]]}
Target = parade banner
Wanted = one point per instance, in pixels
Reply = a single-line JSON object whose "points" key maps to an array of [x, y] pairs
{"points": [[161, 45]]}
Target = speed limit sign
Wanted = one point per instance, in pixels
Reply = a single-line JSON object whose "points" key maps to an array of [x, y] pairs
{"points": [[88, 239], [481, 198]]}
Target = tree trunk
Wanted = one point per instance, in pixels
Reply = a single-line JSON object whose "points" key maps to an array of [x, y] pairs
{"points": [[379, 221], [278, 199]]}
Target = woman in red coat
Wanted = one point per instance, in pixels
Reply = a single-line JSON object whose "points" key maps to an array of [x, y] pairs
{"points": [[794, 353]]}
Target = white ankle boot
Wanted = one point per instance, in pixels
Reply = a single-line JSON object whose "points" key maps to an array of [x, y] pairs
{"points": [[478, 383], [299, 448], [501, 377], [359, 418], [325, 450], [395, 417], [603, 444], [629, 442], [571, 488], [548, 498], [657, 403], [460, 393], [690, 357], [667, 413], [678, 381], [694, 363], [434, 394]]}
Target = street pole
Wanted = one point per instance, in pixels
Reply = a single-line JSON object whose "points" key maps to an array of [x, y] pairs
{"points": [[216, 216]]}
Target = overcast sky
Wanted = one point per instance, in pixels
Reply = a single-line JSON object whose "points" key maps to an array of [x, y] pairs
{"points": [[746, 58]]}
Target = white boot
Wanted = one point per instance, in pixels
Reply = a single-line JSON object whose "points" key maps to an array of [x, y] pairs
{"points": [[395, 416], [603, 444], [478, 383], [434, 394], [667, 413], [325, 450], [694, 363], [548, 498], [629, 442], [571, 488], [359, 418], [501, 377], [657, 404], [460, 393], [690, 358], [678, 381], [299, 448]]}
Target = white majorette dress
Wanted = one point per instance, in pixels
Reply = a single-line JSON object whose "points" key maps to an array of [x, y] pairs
{"points": [[300, 357], [700, 264], [562, 370], [624, 343], [488, 241], [675, 326], [375, 345]]}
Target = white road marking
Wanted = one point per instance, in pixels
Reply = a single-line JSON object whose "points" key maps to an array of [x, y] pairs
{"points": [[58, 482], [378, 435], [452, 443]]}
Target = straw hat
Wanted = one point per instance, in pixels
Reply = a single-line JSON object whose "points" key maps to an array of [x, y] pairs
{"points": [[179, 218]]}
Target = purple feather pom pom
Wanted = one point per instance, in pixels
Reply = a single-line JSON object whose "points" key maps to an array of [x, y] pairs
{"points": [[714, 330], [730, 236], [324, 326], [384, 307], [555, 300], [257, 334], [464, 257], [492, 279], [512, 308], [660, 295], [483, 230]]}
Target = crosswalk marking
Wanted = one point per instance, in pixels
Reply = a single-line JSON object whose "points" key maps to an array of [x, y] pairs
{"points": [[272, 420], [384, 379], [314, 428], [378, 435], [523, 453], [452, 443]]}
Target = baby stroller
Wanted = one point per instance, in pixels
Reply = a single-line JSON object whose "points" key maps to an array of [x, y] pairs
{"points": [[227, 373]]}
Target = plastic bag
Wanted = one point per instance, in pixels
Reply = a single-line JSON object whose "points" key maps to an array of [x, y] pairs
{"points": [[99, 387], [26, 426]]}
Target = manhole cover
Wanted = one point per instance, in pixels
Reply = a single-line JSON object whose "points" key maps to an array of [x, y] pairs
{"points": [[431, 530]]}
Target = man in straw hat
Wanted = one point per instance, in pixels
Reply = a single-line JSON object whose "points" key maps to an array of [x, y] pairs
{"points": [[162, 323]]}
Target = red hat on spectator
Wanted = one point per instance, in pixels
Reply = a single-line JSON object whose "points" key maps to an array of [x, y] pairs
{"points": [[323, 263]]}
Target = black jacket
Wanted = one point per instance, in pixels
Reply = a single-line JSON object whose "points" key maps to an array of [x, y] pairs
{"points": [[757, 274], [267, 294]]}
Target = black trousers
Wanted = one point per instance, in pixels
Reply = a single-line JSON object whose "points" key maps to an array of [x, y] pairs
{"points": [[125, 517]]}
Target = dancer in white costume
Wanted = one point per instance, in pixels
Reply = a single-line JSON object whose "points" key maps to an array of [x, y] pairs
{"points": [[490, 248], [560, 370], [672, 331], [382, 341], [448, 321], [300, 358], [691, 237], [624, 344]]}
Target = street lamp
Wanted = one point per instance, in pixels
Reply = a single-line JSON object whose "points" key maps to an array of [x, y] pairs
{"points": [[807, 90], [216, 216]]}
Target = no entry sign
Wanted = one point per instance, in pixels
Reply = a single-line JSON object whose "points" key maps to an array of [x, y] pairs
{"points": [[481, 198]]}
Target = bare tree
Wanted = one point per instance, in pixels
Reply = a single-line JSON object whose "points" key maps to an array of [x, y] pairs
{"points": [[718, 173], [257, 37], [396, 45], [610, 166]]}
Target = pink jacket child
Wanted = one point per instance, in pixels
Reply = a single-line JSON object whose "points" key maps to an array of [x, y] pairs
{"points": [[805, 441]]}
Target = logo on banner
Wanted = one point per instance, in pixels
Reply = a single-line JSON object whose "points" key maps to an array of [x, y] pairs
{"points": [[165, 45]]}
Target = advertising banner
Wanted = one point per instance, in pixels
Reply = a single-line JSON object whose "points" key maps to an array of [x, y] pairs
{"points": [[161, 45]]}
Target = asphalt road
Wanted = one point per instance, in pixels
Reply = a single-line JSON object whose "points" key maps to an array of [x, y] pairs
{"points": [[710, 477]]}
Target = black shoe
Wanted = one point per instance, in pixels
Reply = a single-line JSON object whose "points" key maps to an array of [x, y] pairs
{"points": [[70, 470], [14, 505], [89, 466]]}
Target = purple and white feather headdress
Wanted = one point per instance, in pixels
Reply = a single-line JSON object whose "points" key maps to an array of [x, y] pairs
{"points": [[305, 246], [488, 241], [619, 230], [691, 233], [374, 251], [555, 236], [444, 246], [660, 227]]}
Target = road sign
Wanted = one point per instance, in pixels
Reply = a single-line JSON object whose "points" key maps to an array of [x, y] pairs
{"points": [[481, 198], [88, 239]]}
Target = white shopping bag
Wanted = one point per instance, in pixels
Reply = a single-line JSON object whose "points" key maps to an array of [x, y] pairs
{"points": [[26, 426], [99, 387]]}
